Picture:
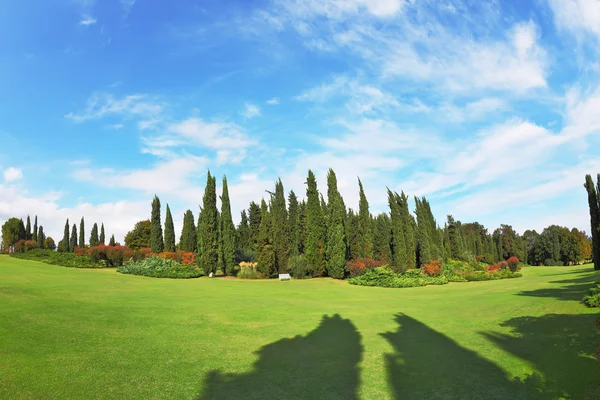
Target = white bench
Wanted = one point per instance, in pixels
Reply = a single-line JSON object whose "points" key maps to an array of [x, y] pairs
{"points": [[284, 277]]}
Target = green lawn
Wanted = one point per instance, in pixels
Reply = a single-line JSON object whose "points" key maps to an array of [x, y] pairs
{"points": [[86, 334]]}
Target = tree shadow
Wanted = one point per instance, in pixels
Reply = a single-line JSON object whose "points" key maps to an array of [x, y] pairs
{"points": [[574, 291], [321, 365], [562, 347], [428, 365]]}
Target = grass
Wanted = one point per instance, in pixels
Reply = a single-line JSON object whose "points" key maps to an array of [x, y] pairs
{"points": [[85, 334]]}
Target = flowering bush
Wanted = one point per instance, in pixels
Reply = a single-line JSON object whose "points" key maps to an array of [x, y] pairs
{"points": [[182, 257], [361, 265], [513, 263], [503, 264], [23, 246], [434, 268], [493, 268]]}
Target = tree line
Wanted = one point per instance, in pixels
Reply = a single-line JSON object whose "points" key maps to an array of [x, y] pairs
{"points": [[594, 205]]}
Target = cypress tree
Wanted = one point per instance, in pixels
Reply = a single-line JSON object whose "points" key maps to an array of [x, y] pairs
{"points": [[365, 236], [188, 240], [279, 216], [65, 240], [409, 227], [169, 231], [112, 242], [594, 206], [454, 239], [35, 231], [266, 263], [28, 234], [81, 233], [102, 239], [39, 236], [156, 239], [423, 240], [243, 232], [315, 228], [94, 241], [302, 227], [398, 241], [254, 220], [336, 245], [73, 241], [352, 235], [293, 224], [227, 231], [382, 237], [208, 239]]}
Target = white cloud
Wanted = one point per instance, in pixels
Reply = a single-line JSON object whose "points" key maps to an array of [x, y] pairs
{"points": [[116, 127], [101, 105], [87, 20], [274, 101], [212, 135], [12, 174], [251, 110], [579, 17], [473, 110]]}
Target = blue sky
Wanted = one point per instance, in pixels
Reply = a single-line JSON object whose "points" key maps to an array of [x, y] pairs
{"points": [[490, 110]]}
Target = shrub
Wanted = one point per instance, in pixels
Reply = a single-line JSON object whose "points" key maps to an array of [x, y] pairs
{"points": [[412, 273], [298, 265], [489, 276], [385, 277], [503, 264], [513, 263], [266, 261], [493, 268], [593, 297], [62, 259], [157, 267], [245, 255], [248, 271], [361, 265], [433, 268]]}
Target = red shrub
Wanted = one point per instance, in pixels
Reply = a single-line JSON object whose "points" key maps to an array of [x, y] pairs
{"points": [[361, 265], [80, 251], [503, 264], [493, 268], [168, 255], [513, 263], [19, 246], [187, 257], [434, 268]]}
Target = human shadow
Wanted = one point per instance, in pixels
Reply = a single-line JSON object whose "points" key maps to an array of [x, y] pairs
{"points": [[571, 289], [321, 365], [562, 347], [428, 365]]}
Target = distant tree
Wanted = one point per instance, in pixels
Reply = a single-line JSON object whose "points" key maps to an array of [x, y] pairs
{"points": [[315, 228], [49, 243], [409, 226], [112, 242], [35, 230], [40, 236], [254, 220], [73, 240], [188, 240], [94, 240], [266, 263], [82, 233], [351, 235], [102, 238], [302, 227], [11, 233], [28, 235], [63, 245], [365, 236], [139, 236], [293, 227], [336, 241], [208, 239], [228, 244], [382, 238], [243, 233], [281, 241], [169, 231], [398, 241], [424, 250], [594, 206], [454, 238], [156, 239]]}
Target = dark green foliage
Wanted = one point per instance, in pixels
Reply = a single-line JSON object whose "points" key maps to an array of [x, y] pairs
{"points": [[242, 234], [40, 236], [385, 277], [228, 245], [35, 230], [95, 241], [280, 230], [73, 240], [112, 241], [102, 238], [336, 241], [398, 242], [169, 231], [82, 233], [266, 255], [157, 267], [49, 243], [408, 226], [208, 228], [454, 239], [592, 299], [315, 228], [188, 240], [266, 262], [157, 244], [63, 245], [424, 242], [352, 235], [298, 266], [365, 235], [138, 237], [12, 232], [254, 220], [64, 259], [28, 235], [302, 227], [594, 206], [382, 238], [293, 224]]}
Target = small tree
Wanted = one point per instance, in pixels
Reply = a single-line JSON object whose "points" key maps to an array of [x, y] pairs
{"points": [[94, 241], [112, 242], [102, 235], [73, 240], [81, 233], [169, 231], [156, 239]]}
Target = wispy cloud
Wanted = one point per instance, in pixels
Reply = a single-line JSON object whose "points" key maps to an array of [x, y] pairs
{"points": [[12, 174], [100, 105], [274, 101], [251, 110], [87, 20]]}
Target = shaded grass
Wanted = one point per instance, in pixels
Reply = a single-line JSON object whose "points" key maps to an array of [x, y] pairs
{"points": [[68, 333]]}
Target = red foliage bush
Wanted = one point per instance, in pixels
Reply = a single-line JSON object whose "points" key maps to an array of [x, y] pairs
{"points": [[361, 265], [493, 268], [434, 268], [22, 246], [503, 264], [513, 263], [188, 258], [80, 251]]}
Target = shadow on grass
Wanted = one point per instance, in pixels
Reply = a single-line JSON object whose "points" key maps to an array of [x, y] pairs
{"points": [[428, 365], [560, 346], [572, 289], [321, 365]]}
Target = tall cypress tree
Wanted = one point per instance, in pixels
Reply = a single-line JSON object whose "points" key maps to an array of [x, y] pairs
{"points": [[352, 235], [254, 220], [302, 227], [35, 230], [102, 239], [65, 240], [188, 240], [382, 237], [94, 241], [157, 244], [242, 240], [28, 234], [293, 224], [169, 231], [39, 236], [81, 233], [73, 241], [208, 239], [398, 241], [365, 235], [409, 227], [280, 228], [423, 240], [266, 263], [315, 228], [336, 243], [227, 231], [112, 241], [594, 205], [454, 239]]}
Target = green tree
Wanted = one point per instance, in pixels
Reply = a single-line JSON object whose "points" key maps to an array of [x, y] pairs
{"points": [[266, 263], [82, 233], [254, 220], [279, 215], [28, 234], [35, 230], [424, 251], [208, 239], [302, 227], [188, 240], [40, 236], [63, 245], [11, 233], [157, 244], [382, 238], [102, 238], [293, 225], [594, 206], [49, 243], [454, 239], [315, 228], [169, 231], [409, 227], [73, 240], [227, 231], [94, 240], [365, 236], [352, 235], [398, 241], [243, 233], [336, 241], [139, 237], [112, 242]]}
